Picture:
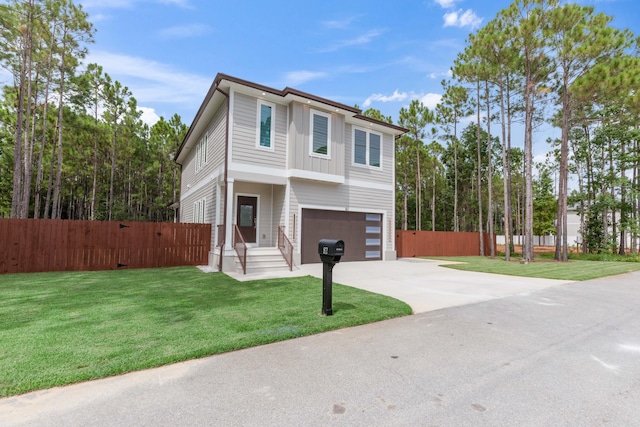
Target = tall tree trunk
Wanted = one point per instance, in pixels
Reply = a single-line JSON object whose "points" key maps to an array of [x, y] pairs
{"points": [[492, 245], [527, 247], [47, 202], [456, 226], [27, 149], [479, 174], [55, 213], [433, 201], [563, 179], [418, 186], [612, 174], [623, 200], [505, 181], [43, 140], [16, 195], [113, 170]]}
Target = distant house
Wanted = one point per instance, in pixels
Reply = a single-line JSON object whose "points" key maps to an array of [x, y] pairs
{"points": [[259, 160]]}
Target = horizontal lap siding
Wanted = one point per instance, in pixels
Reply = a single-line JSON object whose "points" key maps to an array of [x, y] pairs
{"points": [[186, 204], [28, 245], [244, 134], [217, 139], [215, 152]]}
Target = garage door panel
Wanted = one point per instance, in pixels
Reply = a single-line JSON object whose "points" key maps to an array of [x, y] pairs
{"points": [[361, 233]]}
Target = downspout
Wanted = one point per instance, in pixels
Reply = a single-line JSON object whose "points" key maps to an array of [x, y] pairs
{"points": [[226, 164]]}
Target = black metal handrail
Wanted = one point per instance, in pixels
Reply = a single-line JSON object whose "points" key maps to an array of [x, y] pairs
{"points": [[241, 248], [285, 246]]}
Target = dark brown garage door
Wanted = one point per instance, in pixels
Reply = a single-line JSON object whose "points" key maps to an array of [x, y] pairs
{"points": [[361, 232]]}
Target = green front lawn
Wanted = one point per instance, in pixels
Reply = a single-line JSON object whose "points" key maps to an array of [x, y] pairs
{"points": [[544, 269], [61, 328]]}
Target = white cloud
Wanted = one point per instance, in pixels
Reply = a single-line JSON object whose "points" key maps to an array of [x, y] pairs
{"points": [[428, 99], [458, 18], [184, 31], [356, 41], [447, 74], [338, 24], [294, 78], [396, 96], [152, 81], [446, 4], [149, 115], [97, 17]]}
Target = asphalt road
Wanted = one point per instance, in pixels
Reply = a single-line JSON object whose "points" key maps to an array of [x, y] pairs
{"points": [[563, 356]]}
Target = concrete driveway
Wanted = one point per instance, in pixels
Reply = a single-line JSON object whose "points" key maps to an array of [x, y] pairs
{"points": [[423, 284]]}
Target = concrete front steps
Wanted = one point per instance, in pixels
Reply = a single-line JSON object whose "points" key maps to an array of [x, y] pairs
{"points": [[263, 260]]}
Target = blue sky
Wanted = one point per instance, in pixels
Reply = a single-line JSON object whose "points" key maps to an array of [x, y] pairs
{"points": [[371, 53]]}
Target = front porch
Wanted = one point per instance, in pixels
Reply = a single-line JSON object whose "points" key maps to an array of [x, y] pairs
{"points": [[254, 239]]}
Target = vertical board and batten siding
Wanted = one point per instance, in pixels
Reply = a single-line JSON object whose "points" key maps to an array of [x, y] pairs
{"points": [[41, 245], [440, 243], [244, 134], [299, 128], [382, 175]]}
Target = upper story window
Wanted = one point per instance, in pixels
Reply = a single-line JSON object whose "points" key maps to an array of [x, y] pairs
{"points": [[201, 152], [367, 148], [199, 210], [265, 125], [319, 135]]}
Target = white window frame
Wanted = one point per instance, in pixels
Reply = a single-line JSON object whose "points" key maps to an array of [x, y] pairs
{"points": [[202, 149], [200, 210], [272, 138], [368, 133], [328, 117]]}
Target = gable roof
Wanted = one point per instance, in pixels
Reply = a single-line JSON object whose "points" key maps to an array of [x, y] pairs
{"points": [[223, 82]]}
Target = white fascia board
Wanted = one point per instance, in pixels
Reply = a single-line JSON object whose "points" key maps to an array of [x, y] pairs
{"points": [[254, 173]]}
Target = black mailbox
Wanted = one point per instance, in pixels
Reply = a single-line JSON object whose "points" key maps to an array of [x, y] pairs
{"points": [[330, 250]]}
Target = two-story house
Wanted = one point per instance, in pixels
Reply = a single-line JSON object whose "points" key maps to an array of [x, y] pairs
{"points": [[258, 162]]}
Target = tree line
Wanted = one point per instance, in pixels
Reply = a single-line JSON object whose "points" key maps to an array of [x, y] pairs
{"points": [[72, 145], [536, 62]]}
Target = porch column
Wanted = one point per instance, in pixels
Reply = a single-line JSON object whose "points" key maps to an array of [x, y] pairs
{"points": [[217, 219], [229, 213]]}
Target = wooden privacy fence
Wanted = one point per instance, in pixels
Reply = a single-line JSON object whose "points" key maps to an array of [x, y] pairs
{"points": [[39, 245], [440, 243]]}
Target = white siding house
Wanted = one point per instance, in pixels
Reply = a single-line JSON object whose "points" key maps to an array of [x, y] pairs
{"points": [[258, 159]]}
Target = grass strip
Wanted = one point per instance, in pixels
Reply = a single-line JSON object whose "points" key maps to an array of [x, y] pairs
{"points": [[544, 269], [62, 328]]}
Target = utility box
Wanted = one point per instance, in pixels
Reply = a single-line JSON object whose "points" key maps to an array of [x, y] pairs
{"points": [[330, 252]]}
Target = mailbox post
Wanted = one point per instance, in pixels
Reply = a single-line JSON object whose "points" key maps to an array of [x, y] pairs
{"points": [[330, 252]]}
